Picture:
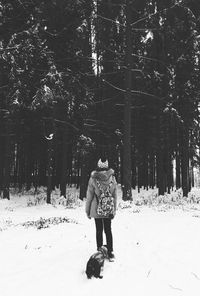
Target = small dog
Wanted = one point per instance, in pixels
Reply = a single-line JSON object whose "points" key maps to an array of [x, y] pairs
{"points": [[96, 263]]}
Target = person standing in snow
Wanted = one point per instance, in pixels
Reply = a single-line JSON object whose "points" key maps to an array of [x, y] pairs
{"points": [[105, 176]]}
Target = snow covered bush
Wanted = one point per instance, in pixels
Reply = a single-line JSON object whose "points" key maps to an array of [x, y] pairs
{"points": [[46, 222], [194, 196], [70, 201], [34, 200], [152, 199], [38, 197], [125, 204]]}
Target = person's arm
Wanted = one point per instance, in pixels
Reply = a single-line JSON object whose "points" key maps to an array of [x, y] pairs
{"points": [[89, 197], [115, 195]]}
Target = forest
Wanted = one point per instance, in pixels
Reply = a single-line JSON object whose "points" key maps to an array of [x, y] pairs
{"points": [[84, 79]]}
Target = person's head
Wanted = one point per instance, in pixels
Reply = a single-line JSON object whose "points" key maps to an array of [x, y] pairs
{"points": [[102, 165]]}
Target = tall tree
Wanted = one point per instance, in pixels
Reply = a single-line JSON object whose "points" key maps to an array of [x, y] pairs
{"points": [[127, 179]]}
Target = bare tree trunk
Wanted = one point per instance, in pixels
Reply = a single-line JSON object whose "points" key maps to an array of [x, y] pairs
{"points": [[151, 170], [185, 162], [50, 163], [134, 170], [63, 181], [1, 162], [178, 170], [160, 159], [160, 173], [83, 181], [191, 177], [7, 161], [127, 171]]}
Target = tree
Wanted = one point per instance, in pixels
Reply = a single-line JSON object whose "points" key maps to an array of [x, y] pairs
{"points": [[127, 189]]}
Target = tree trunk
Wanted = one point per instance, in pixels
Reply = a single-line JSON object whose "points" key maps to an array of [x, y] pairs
{"points": [[169, 173], [178, 170], [127, 193], [84, 179], [21, 172], [49, 170], [7, 161], [151, 171], [160, 159], [63, 182], [29, 163], [160, 173], [191, 177], [1, 162], [50, 164], [145, 171], [185, 162], [134, 171]]}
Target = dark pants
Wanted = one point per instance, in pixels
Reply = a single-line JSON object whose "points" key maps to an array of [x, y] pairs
{"points": [[104, 224]]}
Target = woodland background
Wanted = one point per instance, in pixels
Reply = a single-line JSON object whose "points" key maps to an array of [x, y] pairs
{"points": [[83, 79]]}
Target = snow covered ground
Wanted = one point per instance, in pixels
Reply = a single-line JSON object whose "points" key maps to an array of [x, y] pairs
{"points": [[157, 250]]}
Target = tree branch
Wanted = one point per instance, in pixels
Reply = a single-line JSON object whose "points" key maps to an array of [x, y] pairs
{"points": [[150, 59], [64, 122], [110, 20], [113, 86], [152, 14], [9, 48], [138, 56], [4, 86], [122, 25], [132, 91]]}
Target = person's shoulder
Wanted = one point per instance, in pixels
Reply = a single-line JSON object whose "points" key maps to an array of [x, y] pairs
{"points": [[112, 174], [93, 174], [92, 177], [111, 171]]}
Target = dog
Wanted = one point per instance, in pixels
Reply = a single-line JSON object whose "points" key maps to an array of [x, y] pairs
{"points": [[96, 263]]}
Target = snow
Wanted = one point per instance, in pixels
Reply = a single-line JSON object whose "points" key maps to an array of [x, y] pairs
{"points": [[156, 247]]}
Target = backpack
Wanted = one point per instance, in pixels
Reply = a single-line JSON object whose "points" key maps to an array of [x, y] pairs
{"points": [[105, 201]]}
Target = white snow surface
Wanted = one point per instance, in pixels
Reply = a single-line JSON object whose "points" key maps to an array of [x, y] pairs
{"points": [[157, 251]]}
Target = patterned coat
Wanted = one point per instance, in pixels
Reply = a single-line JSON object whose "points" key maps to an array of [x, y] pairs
{"points": [[105, 177]]}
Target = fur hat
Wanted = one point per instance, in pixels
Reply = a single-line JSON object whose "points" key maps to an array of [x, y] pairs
{"points": [[102, 165]]}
